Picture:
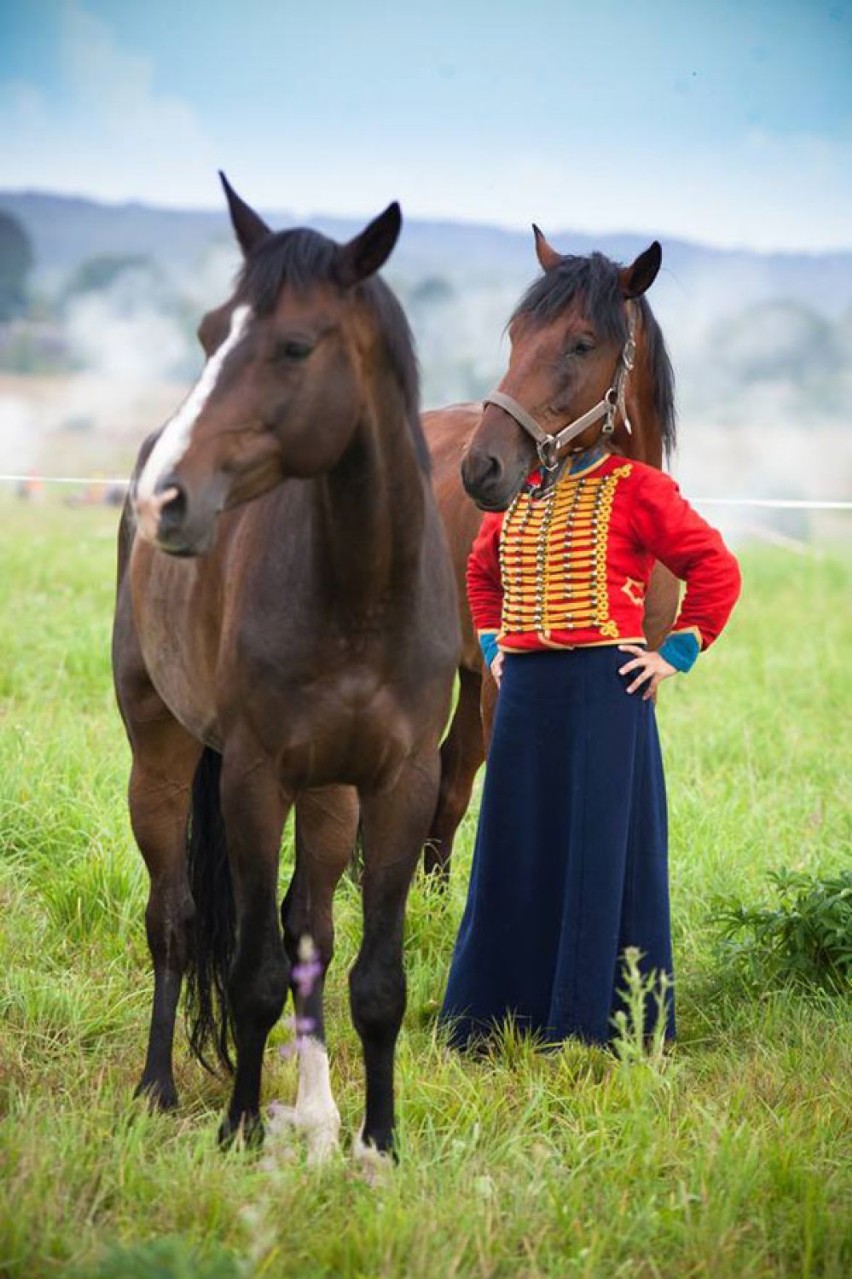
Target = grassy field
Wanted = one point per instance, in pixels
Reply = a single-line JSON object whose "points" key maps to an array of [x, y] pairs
{"points": [[733, 1157]]}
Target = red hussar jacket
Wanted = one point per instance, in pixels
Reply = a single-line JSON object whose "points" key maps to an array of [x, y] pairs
{"points": [[570, 568]]}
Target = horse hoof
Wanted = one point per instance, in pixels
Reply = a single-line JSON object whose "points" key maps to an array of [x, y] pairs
{"points": [[247, 1131], [320, 1128], [160, 1095], [374, 1165]]}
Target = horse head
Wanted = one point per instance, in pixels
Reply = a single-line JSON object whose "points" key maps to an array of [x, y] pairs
{"points": [[282, 388], [576, 337]]}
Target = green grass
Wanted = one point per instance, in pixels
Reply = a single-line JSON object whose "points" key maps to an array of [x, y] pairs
{"points": [[731, 1158]]}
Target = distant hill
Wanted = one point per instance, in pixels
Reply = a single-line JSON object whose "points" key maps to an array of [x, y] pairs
{"points": [[761, 342], [65, 231]]}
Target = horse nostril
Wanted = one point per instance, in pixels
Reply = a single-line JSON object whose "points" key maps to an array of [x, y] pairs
{"points": [[482, 469], [493, 469], [173, 510]]}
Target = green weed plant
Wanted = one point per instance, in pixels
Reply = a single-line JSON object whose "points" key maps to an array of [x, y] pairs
{"points": [[803, 938]]}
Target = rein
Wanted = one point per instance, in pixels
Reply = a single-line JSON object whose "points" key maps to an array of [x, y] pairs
{"points": [[550, 446]]}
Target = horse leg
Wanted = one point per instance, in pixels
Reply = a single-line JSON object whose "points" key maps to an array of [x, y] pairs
{"points": [[326, 828], [394, 827], [164, 760], [254, 809], [462, 754]]}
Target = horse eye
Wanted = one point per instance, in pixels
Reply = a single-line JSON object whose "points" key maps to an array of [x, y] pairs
{"points": [[581, 347], [292, 351]]}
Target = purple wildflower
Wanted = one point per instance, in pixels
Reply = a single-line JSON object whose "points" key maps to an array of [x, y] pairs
{"points": [[305, 976], [306, 973]]}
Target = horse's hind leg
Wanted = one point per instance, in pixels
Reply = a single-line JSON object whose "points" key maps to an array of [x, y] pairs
{"points": [[462, 754], [164, 761], [326, 828], [394, 828]]}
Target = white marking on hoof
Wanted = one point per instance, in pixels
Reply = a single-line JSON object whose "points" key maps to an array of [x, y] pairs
{"points": [[315, 1113], [174, 438], [278, 1147], [375, 1166]]}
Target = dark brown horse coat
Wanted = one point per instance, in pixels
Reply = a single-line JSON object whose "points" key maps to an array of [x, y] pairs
{"points": [[305, 657]]}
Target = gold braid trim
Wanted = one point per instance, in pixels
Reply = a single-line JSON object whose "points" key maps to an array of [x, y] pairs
{"points": [[553, 557]]}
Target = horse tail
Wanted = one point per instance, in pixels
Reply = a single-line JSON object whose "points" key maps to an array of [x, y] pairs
{"points": [[209, 1020]]}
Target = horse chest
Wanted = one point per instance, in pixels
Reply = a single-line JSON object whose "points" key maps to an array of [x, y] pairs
{"points": [[332, 723]]}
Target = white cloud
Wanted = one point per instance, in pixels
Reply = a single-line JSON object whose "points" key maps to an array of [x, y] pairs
{"points": [[764, 192], [119, 137]]}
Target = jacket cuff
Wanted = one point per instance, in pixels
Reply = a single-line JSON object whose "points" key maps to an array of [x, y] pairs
{"points": [[489, 646], [680, 650]]}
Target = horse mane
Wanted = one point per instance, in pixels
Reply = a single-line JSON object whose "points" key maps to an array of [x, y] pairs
{"points": [[301, 257], [593, 282]]}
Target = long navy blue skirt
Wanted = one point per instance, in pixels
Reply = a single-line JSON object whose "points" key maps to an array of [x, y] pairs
{"points": [[570, 864]]}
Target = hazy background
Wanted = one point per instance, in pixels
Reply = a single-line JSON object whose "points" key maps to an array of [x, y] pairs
{"points": [[724, 130]]}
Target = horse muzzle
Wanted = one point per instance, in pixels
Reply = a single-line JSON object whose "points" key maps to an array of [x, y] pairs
{"points": [[490, 481], [168, 520]]}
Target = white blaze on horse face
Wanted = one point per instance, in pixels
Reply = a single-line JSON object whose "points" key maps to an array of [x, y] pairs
{"points": [[175, 436]]}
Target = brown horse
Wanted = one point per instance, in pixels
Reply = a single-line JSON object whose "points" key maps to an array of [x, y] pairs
{"points": [[286, 633], [569, 334]]}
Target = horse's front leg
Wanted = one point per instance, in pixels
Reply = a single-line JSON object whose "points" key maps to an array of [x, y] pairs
{"points": [[326, 827], [394, 828], [254, 810]]}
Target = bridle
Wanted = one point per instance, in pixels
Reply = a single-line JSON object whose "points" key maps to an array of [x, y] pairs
{"points": [[550, 446]]}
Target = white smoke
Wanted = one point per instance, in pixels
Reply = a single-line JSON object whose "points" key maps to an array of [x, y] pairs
{"points": [[20, 434], [133, 354], [763, 382]]}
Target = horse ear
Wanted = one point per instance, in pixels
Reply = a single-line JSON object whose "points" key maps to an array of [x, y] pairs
{"points": [[638, 278], [248, 227], [547, 256], [369, 251]]}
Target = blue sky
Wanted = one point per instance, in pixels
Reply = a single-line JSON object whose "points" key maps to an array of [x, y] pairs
{"points": [[725, 122]]}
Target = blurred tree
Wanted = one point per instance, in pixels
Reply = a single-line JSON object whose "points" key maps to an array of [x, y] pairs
{"points": [[98, 273], [432, 289], [775, 339], [16, 262]]}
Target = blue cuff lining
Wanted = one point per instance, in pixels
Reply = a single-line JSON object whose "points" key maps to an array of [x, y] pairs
{"points": [[489, 646], [680, 651]]}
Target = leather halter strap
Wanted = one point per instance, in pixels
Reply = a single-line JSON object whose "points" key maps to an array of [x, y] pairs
{"points": [[550, 446]]}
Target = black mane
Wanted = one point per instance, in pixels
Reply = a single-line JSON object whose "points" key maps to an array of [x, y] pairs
{"points": [[593, 283], [301, 257]]}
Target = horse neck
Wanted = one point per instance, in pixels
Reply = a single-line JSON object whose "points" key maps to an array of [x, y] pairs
{"points": [[371, 508]]}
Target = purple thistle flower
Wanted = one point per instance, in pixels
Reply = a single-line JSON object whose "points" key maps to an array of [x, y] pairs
{"points": [[303, 1027], [305, 976]]}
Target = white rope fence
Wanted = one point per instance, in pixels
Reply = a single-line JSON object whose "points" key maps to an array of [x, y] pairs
{"points": [[775, 503], [60, 479], [767, 503]]}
